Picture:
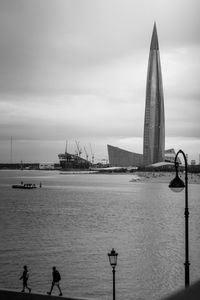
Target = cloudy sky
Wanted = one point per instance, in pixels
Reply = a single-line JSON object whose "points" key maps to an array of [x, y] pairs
{"points": [[76, 70]]}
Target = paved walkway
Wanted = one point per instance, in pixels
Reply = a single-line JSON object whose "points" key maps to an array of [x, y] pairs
{"points": [[191, 293], [13, 295]]}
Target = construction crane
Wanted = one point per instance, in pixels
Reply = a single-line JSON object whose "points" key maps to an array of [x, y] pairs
{"points": [[92, 154], [86, 154], [78, 148]]}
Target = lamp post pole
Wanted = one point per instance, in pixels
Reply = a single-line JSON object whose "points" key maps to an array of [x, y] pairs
{"points": [[113, 270], [113, 262], [187, 264]]}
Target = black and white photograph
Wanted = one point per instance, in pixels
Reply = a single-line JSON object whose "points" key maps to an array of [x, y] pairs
{"points": [[100, 149]]}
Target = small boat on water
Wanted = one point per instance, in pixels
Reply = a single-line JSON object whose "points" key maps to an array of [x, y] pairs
{"points": [[27, 186]]}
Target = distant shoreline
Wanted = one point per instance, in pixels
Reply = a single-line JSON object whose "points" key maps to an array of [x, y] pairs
{"points": [[165, 177], [136, 176]]}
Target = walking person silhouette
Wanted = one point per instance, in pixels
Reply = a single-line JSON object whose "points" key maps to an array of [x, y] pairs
{"points": [[56, 279], [24, 277]]}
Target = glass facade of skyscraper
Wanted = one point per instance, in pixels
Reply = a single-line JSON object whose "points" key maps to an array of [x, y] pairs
{"points": [[154, 121]]}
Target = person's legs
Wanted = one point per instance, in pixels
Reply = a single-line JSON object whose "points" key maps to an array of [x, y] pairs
{"points": [[29, 289], [52, 285], [25, 286], [59, 289]]}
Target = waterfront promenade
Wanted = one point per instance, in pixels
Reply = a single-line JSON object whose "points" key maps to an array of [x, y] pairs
{"points": [[14, 295], [191, 293]]}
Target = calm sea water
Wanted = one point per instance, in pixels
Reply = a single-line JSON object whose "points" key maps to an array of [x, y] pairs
{"points": [[73, 221]]}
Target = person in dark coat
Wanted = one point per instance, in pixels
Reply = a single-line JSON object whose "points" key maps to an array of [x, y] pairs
{"points": [[24, 278], [56, 280]]}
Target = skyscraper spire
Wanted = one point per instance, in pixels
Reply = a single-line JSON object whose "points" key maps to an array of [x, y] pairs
{"points": [[154, 122], [154, 39]]}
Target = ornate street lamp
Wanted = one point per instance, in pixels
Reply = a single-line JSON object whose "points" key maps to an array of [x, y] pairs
{"points": [[113, 262], [177, 185]]}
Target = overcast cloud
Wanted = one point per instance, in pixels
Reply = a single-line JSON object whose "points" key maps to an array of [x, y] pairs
{"points": [[76, 70]]}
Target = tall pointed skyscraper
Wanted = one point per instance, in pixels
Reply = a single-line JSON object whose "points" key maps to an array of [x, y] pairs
{"points": [[154, 122]]}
